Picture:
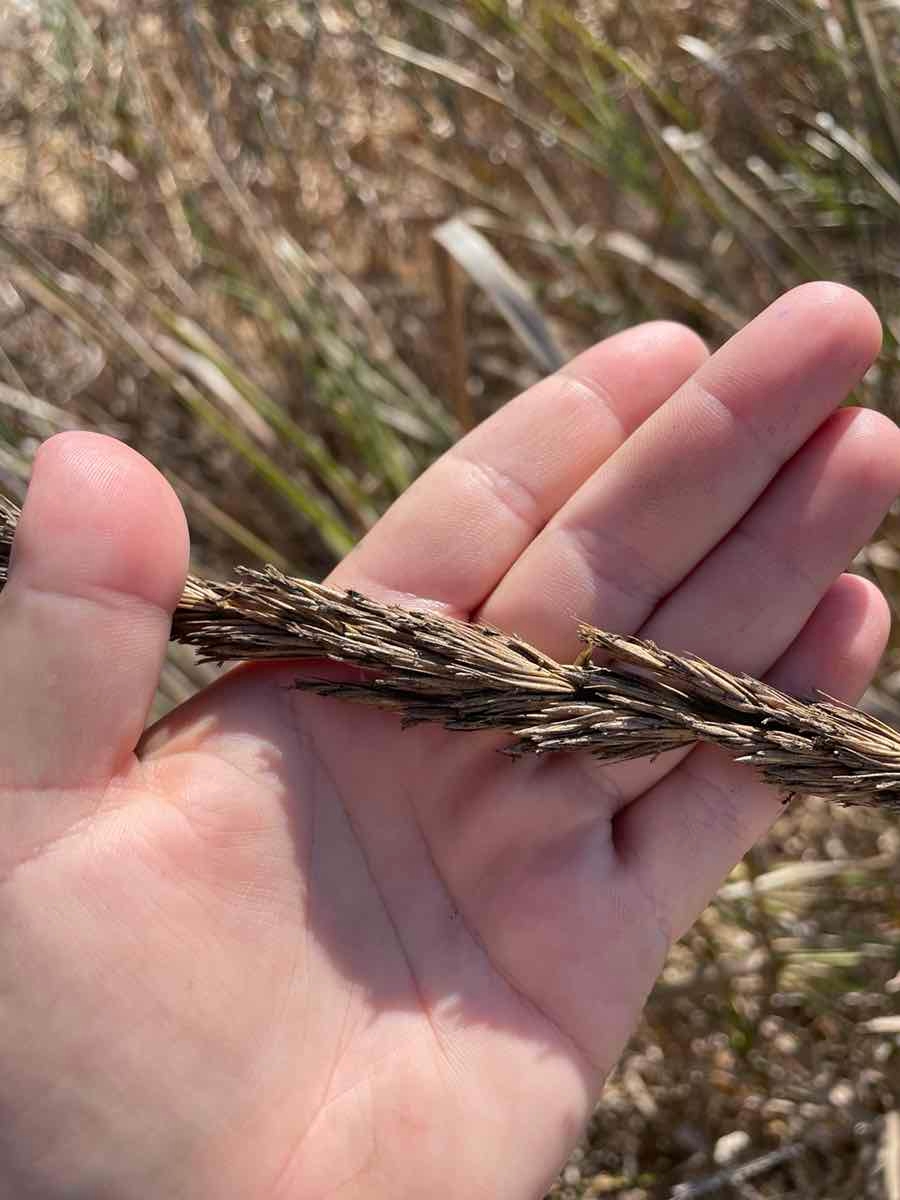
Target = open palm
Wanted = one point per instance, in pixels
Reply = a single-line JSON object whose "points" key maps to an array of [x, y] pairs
{"points": [[277, 948]]}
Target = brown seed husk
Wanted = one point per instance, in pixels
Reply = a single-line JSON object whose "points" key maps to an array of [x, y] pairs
{"points": [[427, 667]]}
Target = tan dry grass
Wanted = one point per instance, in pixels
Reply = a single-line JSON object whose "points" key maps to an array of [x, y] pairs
{"points": [[463, 676], [761, 1022]]}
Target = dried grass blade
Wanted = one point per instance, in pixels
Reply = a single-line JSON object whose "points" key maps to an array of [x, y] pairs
{"points": [[506, 290]]}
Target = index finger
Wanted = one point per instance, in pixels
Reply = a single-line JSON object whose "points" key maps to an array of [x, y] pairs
{"points": [[454, 534]]}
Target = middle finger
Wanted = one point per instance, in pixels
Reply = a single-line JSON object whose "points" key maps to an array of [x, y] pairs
{"points": [[643, 521]]}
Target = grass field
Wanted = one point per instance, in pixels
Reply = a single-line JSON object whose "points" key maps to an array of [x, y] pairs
{"points": [[290, 250]]}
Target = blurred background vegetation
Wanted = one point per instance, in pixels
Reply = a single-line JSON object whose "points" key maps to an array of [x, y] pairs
{"points": [[291, 250]]}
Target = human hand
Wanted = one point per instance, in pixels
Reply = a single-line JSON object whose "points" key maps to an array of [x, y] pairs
{"points": [[278, 949]]}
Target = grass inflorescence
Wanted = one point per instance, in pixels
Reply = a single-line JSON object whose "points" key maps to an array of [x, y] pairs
{"points": [[287, 249], [643, 701]]}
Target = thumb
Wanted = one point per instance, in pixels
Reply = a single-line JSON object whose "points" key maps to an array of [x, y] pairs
{"points": [[98, 563]]}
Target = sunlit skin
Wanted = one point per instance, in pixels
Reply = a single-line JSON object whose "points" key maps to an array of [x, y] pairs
{"points": [[277, 948]]}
